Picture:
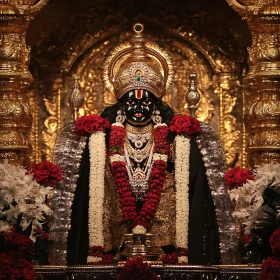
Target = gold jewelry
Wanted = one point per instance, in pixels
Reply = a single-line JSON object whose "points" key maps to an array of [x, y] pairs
{"points": [[139, 155], [138, 64], [139, 129]]}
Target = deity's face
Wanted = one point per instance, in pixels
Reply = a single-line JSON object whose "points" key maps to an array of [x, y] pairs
{"points": [[138, 106]]}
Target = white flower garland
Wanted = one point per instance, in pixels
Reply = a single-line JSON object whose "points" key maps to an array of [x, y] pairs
{"points": [[114, 158], [182, 154], [96, 190]]}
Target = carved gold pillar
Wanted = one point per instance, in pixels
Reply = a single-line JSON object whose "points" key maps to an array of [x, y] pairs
{"points": [[15, 114], [262, 84]]}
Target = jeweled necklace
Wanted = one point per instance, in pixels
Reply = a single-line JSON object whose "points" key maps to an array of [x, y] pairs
{"points": [[138, 177], [138, 154], [156, 179]]}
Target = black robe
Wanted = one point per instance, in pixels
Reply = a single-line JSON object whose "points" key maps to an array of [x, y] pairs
{"points": [[203, 237]]}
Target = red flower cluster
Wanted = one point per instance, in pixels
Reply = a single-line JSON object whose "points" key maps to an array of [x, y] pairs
{"points": [[18, 243], [170, 258], [126, 199], [14, 267], [116, 140], [152, 198], [245, 239], [136, 270], [275, 242], [185, 125], [162, 145], [46, 173], [89, 124], [270, 269], [98, 251], [236, 177]]}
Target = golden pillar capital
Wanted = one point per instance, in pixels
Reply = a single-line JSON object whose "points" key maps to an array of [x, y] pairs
{"points": [[15, 77], [262, 84]]}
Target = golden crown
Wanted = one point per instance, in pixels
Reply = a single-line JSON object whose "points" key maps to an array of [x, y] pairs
{"points": [[138, 64]]}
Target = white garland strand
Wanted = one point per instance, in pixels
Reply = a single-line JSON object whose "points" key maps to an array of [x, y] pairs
{"points": [[182, 155], [96, 190]]}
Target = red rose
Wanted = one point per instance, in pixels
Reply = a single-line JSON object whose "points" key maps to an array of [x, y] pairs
{"points": [[46, 173], [136, 269], [185, 125], [170, 258], [275, 242], [270, 269], [245, 239], [236, 177], [19, 242], [41, 176], [44, 236], [29, 273], [89, 124]]}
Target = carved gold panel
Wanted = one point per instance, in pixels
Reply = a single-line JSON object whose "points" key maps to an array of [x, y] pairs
{"points": [[217, 83]]}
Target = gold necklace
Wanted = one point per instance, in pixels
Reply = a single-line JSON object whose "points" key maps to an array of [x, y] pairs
{"points": [[139, 129], [139, 154]]}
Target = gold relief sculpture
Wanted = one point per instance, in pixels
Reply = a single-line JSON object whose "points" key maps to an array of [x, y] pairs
{"points": [[52, 123], [32, 96], [49, 136]]}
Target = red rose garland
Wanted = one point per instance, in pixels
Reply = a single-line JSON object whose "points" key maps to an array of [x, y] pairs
{"points": [[87, 125], [275, 242], [121, 180], [185, 125]]}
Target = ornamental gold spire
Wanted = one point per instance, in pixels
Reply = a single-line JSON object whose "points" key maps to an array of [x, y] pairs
{"points": [[192, 96], [15, 114], [76, 98], [262, 84]]}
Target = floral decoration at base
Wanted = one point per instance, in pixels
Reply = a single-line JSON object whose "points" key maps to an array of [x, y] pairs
{"points": [[256, 200], [97, 255], [23, 216], [137, 270]]}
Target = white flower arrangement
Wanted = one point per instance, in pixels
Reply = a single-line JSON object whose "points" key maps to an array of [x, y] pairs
{"points": [[248, 198], [139, 230], [96, 191], [182, 153], [21, 197]]}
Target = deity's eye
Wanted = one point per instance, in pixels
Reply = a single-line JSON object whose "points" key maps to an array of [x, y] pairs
{"points": [[147, 102], [130, 102]]}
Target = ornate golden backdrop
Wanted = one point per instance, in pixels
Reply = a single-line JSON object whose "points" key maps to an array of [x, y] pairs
{"points": [[80, 44]]}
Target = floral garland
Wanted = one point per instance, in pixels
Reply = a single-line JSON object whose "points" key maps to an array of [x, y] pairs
{"points": [[183, 126], [96, 126], [137, 269], [255, 195], [23, 212], [142, 221]]}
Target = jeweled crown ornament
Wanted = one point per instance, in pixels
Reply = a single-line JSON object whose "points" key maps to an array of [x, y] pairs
{"points": [[138, 64]]}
